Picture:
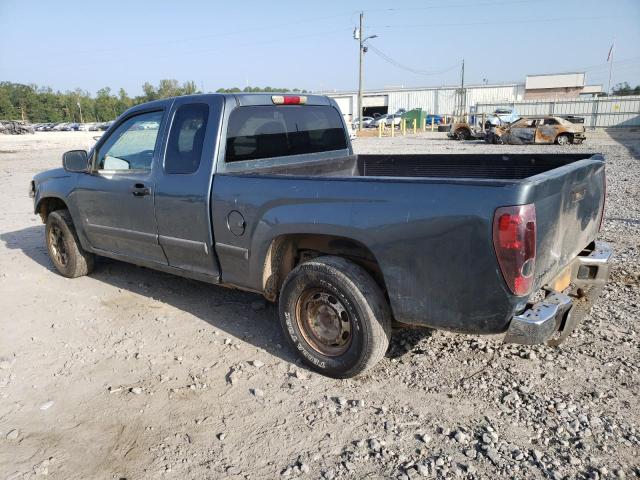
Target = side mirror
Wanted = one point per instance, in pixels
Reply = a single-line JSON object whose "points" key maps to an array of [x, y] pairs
{"points": [[75, 161]]}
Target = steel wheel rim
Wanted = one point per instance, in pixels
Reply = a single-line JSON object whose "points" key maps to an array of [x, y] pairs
{"points": [[324, 322], [56, 246]]}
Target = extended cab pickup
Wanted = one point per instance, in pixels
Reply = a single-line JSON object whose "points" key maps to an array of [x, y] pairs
{"points": [[263, 193]]}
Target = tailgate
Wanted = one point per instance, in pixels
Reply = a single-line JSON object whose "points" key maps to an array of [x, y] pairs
{"points": [[569, 205]]}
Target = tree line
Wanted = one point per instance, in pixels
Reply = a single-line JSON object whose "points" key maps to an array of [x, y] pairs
{"points": [[42, 104], [625, 89]]}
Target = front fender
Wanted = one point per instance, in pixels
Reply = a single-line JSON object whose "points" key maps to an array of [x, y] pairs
{"points": [[58, 184]]}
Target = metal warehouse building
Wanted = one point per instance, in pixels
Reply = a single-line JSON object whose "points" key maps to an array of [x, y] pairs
{"points": [[437, 100]]}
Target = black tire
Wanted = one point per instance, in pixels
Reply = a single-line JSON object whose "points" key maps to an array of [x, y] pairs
{"points": [[65, 251], [344, 296]]}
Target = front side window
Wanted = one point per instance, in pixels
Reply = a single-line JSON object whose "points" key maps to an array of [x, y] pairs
{"points": [[132, 144], [186, 138], [267, 131]]}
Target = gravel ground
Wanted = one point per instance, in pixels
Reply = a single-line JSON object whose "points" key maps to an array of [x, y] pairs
{"points": [[130, 373]]}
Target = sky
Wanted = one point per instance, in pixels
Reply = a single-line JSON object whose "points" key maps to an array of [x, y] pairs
{"points": [[87, 44]]}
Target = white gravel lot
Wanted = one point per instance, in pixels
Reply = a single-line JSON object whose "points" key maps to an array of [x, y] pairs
{"points": [[130, 373]]}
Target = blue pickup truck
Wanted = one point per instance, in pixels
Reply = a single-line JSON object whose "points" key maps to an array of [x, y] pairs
{"points": [[264, 193]]}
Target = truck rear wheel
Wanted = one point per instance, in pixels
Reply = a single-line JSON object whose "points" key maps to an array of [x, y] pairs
{"points": [[563, 139], [335, 316], [63, 246]]}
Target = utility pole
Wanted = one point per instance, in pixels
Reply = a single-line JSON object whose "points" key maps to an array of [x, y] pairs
{"points": [[462, 95], [358, 34], [610, 60], [361, 72]]}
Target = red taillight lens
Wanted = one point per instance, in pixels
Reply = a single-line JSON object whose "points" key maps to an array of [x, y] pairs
{"points": [[514, 239]]}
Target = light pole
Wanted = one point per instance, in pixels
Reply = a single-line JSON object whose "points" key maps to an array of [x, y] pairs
{"points": [[359, 35]]}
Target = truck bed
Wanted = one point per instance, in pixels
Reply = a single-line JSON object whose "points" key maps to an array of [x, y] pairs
{"points": [[427, 219], [475, 166]]}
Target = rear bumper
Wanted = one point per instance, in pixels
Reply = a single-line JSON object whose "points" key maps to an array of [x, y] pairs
{"points": [[552, 320]]}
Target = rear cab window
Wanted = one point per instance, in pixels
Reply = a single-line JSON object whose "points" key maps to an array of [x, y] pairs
{"points": [[268, 131]]}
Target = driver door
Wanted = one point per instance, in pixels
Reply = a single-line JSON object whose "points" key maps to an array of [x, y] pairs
{"points": [[523, 131], [115, 200]]}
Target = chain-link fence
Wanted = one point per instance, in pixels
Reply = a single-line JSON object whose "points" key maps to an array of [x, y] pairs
{"points": [[603, 112]]}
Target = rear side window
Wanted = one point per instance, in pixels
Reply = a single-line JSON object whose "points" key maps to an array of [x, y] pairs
{"points": [[282, 130], [186, 139]]}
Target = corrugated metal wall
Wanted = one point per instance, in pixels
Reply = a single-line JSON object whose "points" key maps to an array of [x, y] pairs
{"points": [[597, 112], [436, 100], [443, 100]]}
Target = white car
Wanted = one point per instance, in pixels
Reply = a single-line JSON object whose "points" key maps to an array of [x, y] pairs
{"points": [[502, 116], [367, 122], [389, 120]]}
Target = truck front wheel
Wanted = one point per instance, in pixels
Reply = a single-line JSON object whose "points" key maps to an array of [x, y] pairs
{"points": [[335, 316], [63, 246]]}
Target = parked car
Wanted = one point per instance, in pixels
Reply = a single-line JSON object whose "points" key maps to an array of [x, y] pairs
{"points": [[273, 200], [437, 119], [501, 116], [388, 120], [367, 122], [462, 130], [546, 129]]}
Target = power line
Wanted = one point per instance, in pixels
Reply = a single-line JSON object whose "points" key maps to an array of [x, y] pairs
{"points": [[451, 6], [500, 22], [390, 60]]}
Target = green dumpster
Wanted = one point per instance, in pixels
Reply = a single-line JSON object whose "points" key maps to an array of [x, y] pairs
{"points": [[418, 114]]}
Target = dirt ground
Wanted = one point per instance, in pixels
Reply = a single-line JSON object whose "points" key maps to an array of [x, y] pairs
{"points": [[130, 373]]}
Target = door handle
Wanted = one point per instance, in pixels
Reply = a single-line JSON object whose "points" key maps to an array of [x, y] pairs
{"points": [[139, 190]]}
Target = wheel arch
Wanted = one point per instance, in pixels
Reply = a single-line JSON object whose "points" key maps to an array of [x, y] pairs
{"points": [[564, 134], [467, 130], [49, 204], [286, 251]]}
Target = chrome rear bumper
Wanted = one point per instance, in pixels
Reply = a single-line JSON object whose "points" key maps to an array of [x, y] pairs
{"points": [[552, 320]]}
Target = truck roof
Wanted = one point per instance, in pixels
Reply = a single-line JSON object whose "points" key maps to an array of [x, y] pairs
{"points": [[241, 99]]}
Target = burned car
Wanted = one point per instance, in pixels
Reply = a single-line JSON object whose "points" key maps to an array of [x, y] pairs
{"points": [[545, 129]]}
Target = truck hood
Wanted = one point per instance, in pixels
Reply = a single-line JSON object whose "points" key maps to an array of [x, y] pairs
{"points": [[49, 174]]}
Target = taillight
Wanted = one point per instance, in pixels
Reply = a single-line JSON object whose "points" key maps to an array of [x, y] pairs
{"points": [[514, 239], [288, 100]]}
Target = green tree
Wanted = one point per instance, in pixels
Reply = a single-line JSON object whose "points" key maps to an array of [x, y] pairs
{"points": [[625, 89]]}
